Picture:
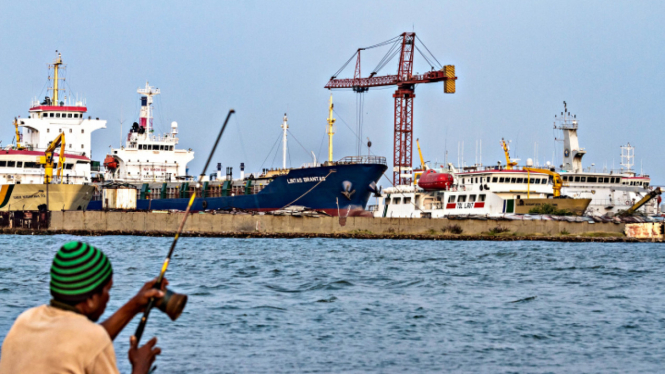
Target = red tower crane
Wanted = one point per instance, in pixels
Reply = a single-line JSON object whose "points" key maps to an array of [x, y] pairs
{"points": [[405, 45]]}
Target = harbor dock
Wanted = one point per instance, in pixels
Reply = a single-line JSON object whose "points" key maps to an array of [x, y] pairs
{"points": [[247, 225]]}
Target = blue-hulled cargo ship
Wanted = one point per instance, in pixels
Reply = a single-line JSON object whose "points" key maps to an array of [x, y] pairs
{"points": [[156, 168], [338, 188]]}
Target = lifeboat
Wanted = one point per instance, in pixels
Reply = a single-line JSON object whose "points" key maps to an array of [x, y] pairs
{"points": [[433, 181], [110, 163]]}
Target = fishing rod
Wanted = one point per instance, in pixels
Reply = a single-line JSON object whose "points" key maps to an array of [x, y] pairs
{"points": [[166, 305]]}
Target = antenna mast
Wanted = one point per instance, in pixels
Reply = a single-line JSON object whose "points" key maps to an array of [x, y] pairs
{"points": [[331, 130], [285, 126]]}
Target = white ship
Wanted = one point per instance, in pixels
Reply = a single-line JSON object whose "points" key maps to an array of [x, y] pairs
{"points": [[510, 189], [56, 114], [479, 192], [147, 157]]}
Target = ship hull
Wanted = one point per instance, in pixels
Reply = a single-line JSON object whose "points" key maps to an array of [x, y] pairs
{"points": [[29, 197], [341, 189], [575, 206]]}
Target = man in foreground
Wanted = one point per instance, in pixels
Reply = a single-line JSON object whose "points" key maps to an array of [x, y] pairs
{"points": [[63, 337]]}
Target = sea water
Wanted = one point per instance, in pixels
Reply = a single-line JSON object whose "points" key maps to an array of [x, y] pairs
{"points": [[342, 305]]}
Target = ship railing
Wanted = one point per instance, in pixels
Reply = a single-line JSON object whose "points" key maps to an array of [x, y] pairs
{"points": [[614, 202], [363, 160], [30, 147]]}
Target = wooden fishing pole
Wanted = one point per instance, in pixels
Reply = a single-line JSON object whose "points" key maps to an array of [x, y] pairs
{"points": [[160, 278]]}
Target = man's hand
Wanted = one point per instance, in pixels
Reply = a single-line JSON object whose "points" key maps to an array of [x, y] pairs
{"points": [[140, 301], [142, 358], [134, 306]]}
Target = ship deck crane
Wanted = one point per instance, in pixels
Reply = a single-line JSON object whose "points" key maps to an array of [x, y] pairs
{"points": [[557, 181], [644, 200], [404, 45], [18, 136], [506, 151], [47, 159]]}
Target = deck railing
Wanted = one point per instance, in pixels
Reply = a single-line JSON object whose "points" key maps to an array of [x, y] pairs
{"points": [[363, 160]]}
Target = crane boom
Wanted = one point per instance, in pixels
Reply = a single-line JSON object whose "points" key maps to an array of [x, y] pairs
{"points": [[642, 201], [420, 153], [405, 81], [506, 151], [47, 159], [18, 135], [556, 179]]}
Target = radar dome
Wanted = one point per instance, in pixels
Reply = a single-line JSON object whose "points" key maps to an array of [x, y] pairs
{"points": [[529, 162]]}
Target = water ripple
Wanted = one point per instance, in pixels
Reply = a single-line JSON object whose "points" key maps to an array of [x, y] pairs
{"points": [[324, 305]]}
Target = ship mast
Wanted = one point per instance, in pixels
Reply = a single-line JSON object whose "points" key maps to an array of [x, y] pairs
{"points": [[56, 69], [285, 126], [331, 130], [146, 105]]}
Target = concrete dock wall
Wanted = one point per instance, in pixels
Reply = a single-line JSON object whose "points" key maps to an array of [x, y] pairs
{"points": [[150, 223]]}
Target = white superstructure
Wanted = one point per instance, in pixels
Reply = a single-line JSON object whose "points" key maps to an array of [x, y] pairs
{"points": [[610, 191], [147, 157], [46, 120], [492, 191]]}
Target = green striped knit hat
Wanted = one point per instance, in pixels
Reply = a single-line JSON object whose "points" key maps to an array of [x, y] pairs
{"points": [[79, 271]]}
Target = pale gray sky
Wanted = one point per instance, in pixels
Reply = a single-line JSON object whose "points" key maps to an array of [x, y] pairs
{"points": [[517, 61]]}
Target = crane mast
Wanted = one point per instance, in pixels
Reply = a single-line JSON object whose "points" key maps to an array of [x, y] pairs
{"points": [[405, 81]]}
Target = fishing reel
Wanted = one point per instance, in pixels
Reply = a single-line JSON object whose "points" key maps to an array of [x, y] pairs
{"points": [[172, 304]]}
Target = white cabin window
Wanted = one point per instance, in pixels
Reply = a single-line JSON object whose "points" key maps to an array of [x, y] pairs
{"points": [[82, 146], [583, 179], [461, 198], [537, 181], [577, 179], [520, 180], [82, 131], [48, 130], [494, 180], [70, 145], [451, 198], [70, 131], [472, 198], [397, 200], [501, 180], [3, 163], [11, 164], [407, 200], [531, 180], [513, 180], [69, 115], [481, 197], [57, 115]]}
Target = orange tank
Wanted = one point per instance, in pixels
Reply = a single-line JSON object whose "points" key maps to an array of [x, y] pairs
{"points": [[433, 181]]}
